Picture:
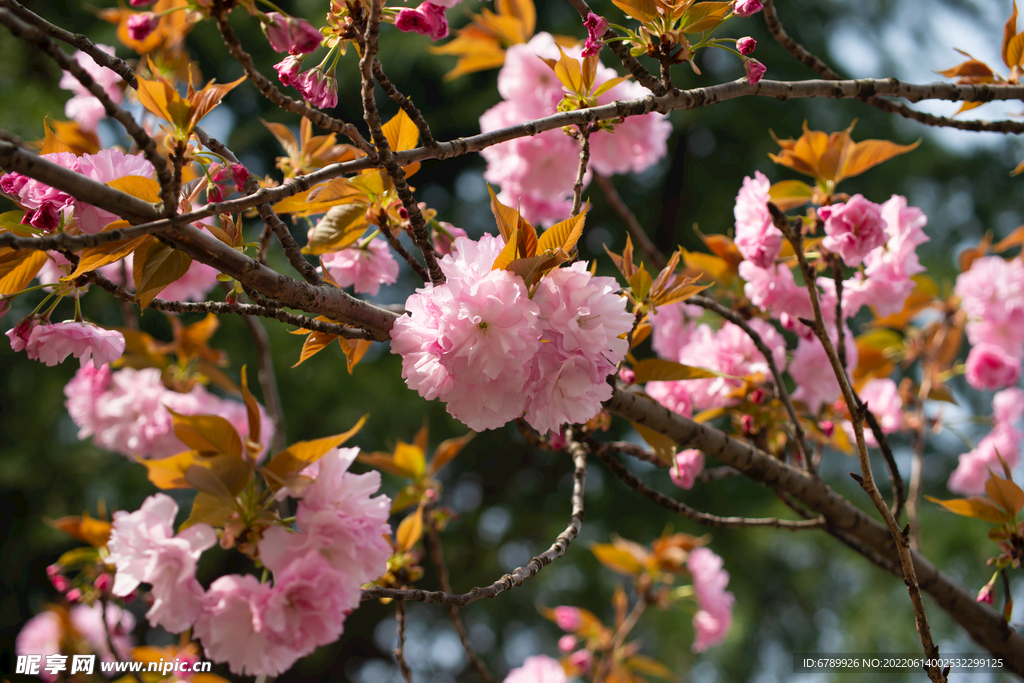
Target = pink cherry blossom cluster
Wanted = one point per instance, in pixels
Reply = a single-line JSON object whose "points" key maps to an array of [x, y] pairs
{"points": [[367, 267], [263, 628], [537, 173], [714, 617], [428, 19], [45, 633], [992, 295], [882, 397], [538, 669], [727, 350], [126, 411], [49, 207], [52, 344], [85, 108], [1004, 441], [482, 345]]}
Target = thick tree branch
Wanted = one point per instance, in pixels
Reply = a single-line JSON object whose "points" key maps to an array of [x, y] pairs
{"points": [[519, 575], [983, 624]]}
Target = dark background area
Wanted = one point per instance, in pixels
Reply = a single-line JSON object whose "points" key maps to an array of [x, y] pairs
{"points": [[795, 593]]}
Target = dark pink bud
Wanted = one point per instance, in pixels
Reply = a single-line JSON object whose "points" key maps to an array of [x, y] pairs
{"points": [[288, 34], [746, 45], [11, 183], [427, 19], [140, 3], [755, 70], [46, 217], [592, 47], [627, 375], [52, 571], [239, 175], [828, 428], [568, 618], [596, 25], [214, 194], [987, 595], [757, 396], [141, 25], [744, 8], [60, 582], [131, 597], [567, 643], [748, 423], [320, 89], [74, 595], [558, 441], [288, 69], [403, 213], [232, 297], [103, 583], [582, 659]]}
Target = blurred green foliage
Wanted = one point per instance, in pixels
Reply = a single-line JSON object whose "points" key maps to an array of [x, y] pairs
{"points": [[796, 593]]}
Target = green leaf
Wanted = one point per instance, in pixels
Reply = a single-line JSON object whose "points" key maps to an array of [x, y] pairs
{"points": [[207, 509], [640, 282]]}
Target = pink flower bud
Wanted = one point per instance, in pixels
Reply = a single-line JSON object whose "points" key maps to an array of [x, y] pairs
{"points": [[582, 659], [141, 25], [428, 19], [757, 396], [755, 70], [828, 428], [74, 595], [744, 8], [52, 571], [288, 69], [746, 45], [557, 439], [239, 174], [320, 89], [46, 218], [592, 47], [60, 582], [103, 583], [567, 618], [987, 594], [131, 597], [214, 194], [567, 643], [687, 466], [288, 34], [403, 213], [627, 375], [140, 3], [596, 25], [748, 423]]}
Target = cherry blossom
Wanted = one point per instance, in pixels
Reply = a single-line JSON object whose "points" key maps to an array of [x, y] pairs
{"points": [[538, 669], [52, 344], [428, 19], [853, 228], [367, 268], [83, 107], [288, 34], [687, 464], [757, 238], [714, 618]]}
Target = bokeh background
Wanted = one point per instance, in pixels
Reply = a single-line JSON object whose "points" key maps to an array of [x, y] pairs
{"points": [[795, 593]]}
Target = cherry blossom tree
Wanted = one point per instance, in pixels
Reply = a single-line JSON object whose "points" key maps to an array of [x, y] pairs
{"points": [[808, 331]]}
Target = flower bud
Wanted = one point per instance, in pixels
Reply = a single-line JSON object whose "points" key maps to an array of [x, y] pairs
{"points": [[627, 375], [103, 583], [288, 34], [288, 69], [746, 45], [428, 19], [827, 428], [757, 396], [755, 70], [74, 595], [60, 582], [748, 423], [320, 89], [582, 659], [567, 643], [141, 25], [987, 594], [214, 194], [745, 8], [567, 618], [239, 174], [140, 3]]}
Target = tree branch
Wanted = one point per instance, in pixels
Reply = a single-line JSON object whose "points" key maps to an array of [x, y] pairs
{"points": [[268, 381], [629, 218], [577, 188]]}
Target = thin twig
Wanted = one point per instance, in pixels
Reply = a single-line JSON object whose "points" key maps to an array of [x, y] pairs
{"points": [[399, 650], [238, 309], [370, 28], [581, 172], [866, 480], [426, 137], [825, 71], [392, 238], [436, 550], [629, 218], [780, 383], [520, 574], [632, 481], [268, 381]]}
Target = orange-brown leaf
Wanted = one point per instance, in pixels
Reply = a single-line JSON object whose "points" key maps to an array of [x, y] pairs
{"points": [[1005, 494], [354, 350], [1009, 32], [447, 450], [18, 267], [409, 531], [975, 506]]}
